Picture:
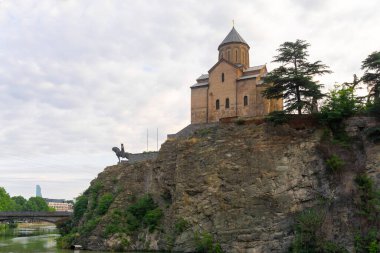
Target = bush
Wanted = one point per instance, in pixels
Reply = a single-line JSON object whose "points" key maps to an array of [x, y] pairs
{"points": [[89, 226], [104, 203], [373, 134], [142, 206], [335, 163], [151, 218], [180, 226], [80, 207], [278, 117], [203, 242]]}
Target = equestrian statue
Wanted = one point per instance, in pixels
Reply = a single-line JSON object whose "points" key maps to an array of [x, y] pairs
{"points": [[121, 153]]}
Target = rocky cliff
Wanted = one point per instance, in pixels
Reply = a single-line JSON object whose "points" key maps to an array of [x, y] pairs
{"points": [[238, 187]]}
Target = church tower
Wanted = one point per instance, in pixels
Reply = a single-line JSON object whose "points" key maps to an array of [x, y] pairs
{"points": [[234, 49]]}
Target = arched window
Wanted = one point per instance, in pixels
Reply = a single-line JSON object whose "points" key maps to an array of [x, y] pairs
{"points": [[228, 55], [236, 56], [245, 100], [222, 77], [217, 104], [227, 103]]}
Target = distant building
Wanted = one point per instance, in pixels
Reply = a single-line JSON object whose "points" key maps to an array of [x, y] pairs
{"points": [[60, 205], [231, 88], [38, 191]]}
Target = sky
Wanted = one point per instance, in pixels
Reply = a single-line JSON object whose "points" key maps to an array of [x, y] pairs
{"points": [[78, 77]]}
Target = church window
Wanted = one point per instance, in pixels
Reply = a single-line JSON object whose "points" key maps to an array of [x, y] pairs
{"points": [[220, 55], [245, 100], [217, 104], [236, 56], [222, 77], [228, 55], [243, 57], [227, 103]]}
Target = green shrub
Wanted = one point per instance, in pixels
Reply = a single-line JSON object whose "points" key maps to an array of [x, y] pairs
{"points": [[278, 117], [180, 226], [373, 247], [373, 109], [89, 226], [104, 203], [80, 207], [152, 218], [142, 206], [373, 134], [240, 122], [203, 242], [335, 163], [65, 242]]}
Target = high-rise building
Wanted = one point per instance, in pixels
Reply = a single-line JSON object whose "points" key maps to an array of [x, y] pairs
{"points": [[38, 191]]}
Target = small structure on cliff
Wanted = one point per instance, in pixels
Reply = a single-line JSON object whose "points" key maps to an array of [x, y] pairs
{"points": [[133, 158], [231, 88]]}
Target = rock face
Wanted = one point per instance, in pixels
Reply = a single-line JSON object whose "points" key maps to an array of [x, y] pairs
{"points": [[243, 184]]}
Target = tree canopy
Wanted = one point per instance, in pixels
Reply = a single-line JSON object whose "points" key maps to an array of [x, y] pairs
{"points": [[371, 67], [19, 203], [293, 80]]}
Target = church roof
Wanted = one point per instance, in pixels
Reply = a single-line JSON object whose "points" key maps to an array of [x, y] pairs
{"points": [[233, 37]]}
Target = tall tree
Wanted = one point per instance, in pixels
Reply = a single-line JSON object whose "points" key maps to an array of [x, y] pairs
{"points": [[293, 80], [371, 67], [36, 204], [6, 203]]}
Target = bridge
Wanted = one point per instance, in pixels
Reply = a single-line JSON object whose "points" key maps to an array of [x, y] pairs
{"points": [[53, 217]]}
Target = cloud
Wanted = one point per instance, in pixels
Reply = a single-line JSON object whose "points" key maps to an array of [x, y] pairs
{"points": [[78, 77]]}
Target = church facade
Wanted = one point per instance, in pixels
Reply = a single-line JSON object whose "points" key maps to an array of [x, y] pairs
{"points": [[231, 88]]}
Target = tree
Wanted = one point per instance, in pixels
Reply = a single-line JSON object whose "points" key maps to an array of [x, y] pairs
{"points": [[371, 67], [6, 203], [20, 202], [293, 80], [36, 204]]}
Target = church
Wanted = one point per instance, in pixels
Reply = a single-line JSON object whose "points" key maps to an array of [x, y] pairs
{"points": [[231, 89]]}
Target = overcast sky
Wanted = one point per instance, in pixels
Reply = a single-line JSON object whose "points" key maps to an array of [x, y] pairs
{"points": [[78, 77]]}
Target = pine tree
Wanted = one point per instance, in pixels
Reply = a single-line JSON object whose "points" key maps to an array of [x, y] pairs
{"points": [[293, 80], [371, 66]]}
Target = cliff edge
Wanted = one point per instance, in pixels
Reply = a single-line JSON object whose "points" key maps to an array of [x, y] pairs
{"points": [[230, 187]]}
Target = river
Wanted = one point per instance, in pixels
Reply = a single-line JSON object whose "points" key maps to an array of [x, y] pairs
{"points": [[38, 238]]}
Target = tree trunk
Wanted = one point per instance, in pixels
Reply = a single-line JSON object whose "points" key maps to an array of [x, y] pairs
{"points": [[298, 96]]}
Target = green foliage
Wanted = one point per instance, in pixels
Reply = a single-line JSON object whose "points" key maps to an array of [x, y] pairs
{"points": [[6, 203], [369, 196], [203, 242], [335, 163], [80, 207], [152, 218], [144, 213], [89, 226], [308, 238], [240, 122], [20, 202], [65, 242], [371, 67], [294, 79], [142, 206], [373, 134], [278, 117], [366, 240], [36, 204], [104, 203], [341, 103], [180, 226], [373, 109]]}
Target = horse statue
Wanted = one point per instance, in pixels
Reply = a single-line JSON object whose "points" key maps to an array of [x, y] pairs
{"points": [[120, 153]]}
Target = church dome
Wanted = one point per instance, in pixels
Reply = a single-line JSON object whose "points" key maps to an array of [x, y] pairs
{"points": [[233, 37]]}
